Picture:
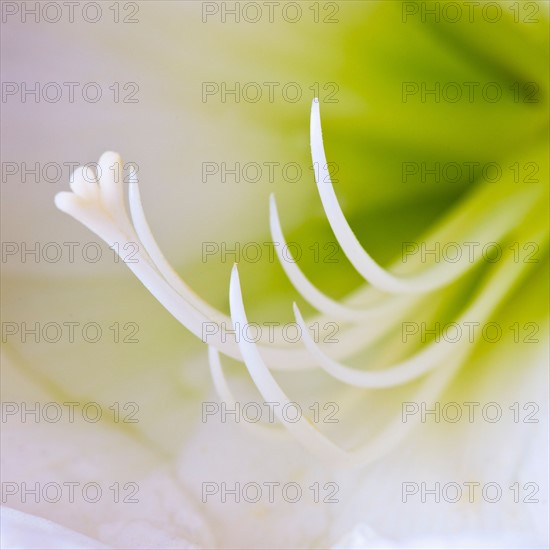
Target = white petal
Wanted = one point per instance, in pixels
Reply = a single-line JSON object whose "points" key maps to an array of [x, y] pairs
{"points": [[365, 538], [27, 532]]}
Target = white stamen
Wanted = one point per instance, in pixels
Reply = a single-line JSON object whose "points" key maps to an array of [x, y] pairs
{"points": [[160, 279], [227, 397], [100, 206], [432, 356], [149, 243], [302, 430], [439, 276], [319, 300]]}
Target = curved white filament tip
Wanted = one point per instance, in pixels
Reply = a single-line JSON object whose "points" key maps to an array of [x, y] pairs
{"points": [[311, 293], [354, 251], [351, 246], [302, 430]]}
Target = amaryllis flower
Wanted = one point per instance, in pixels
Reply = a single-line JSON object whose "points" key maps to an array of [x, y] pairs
{"points": [[398, 368]]}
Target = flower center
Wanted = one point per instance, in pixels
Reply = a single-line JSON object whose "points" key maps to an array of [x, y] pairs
{"points": [[366, 317]]}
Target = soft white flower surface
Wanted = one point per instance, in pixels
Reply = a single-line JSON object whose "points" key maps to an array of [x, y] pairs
{"points": [[368, 456], [24, 531]]}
